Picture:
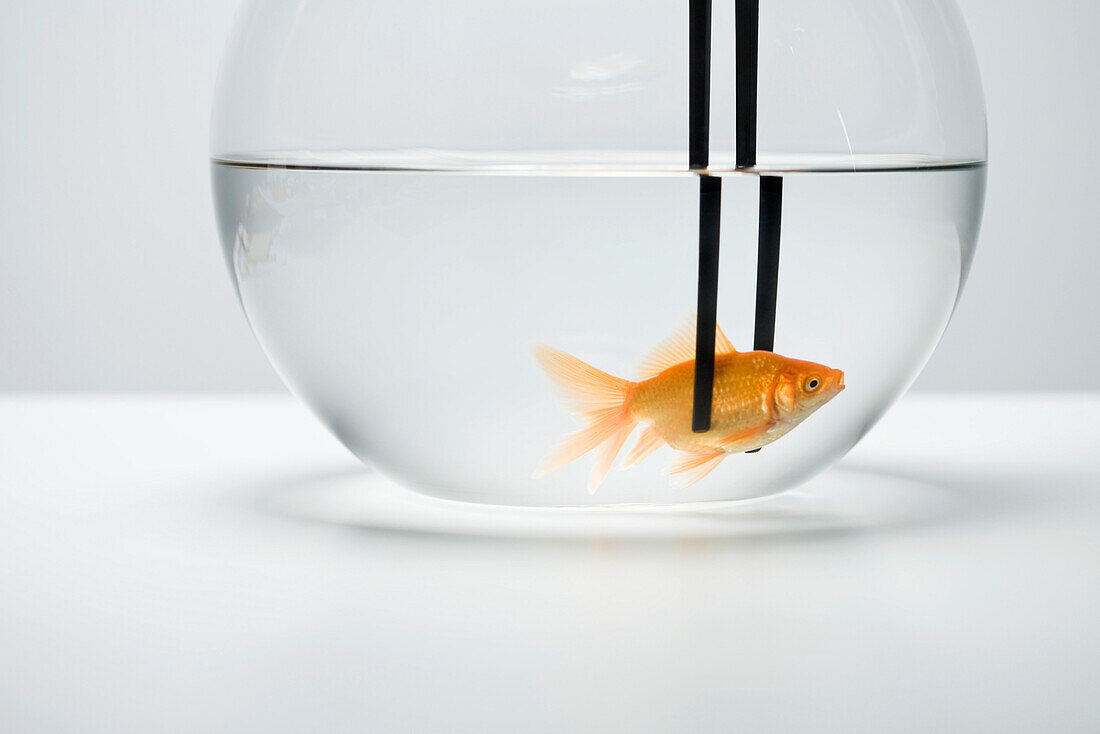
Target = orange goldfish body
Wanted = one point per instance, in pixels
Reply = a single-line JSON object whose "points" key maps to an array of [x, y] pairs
{"points": [[758, 398]]}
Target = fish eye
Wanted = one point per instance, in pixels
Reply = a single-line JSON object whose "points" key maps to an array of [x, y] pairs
{"points": [[812, 384]]}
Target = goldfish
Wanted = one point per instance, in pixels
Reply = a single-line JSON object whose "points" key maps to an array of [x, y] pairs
{"points": [[759, 397]]}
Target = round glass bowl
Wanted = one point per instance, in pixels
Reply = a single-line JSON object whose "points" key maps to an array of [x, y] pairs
{"points": [[413, 196]]}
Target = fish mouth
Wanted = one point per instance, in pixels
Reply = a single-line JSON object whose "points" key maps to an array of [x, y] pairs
{"points": [[840, 381]]}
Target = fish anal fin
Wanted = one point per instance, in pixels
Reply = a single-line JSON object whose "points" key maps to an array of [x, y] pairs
{"points": [[680, 348], [648, 442], [689, 468]]}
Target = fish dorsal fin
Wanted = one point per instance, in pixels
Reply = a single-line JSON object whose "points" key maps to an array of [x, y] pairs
{"points": [[722, 344], [680, 348]]}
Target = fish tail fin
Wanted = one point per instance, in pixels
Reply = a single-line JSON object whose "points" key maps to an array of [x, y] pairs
{"points": [[601, 400]]}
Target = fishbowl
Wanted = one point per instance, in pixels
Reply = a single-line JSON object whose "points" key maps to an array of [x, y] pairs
{"points": [[603, 252]]}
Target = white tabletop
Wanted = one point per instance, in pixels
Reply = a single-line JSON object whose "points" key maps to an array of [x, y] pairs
{"points": [[217, 564]]}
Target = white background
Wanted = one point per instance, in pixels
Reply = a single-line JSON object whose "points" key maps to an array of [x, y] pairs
{"points": [[111, 277], [221, 565]]}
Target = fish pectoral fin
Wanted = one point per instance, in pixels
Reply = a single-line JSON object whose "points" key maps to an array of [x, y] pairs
{"points": [[748, 434], [689, 468], [648, 442], [680, 348]]}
